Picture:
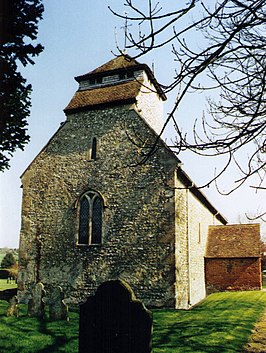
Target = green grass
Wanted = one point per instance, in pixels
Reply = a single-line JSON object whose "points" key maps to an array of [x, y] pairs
{"points": [[30, 335], [222, 323], [4, 285]]}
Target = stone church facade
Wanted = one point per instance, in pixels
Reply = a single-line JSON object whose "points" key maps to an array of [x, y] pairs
{"points": [[92, 212]]}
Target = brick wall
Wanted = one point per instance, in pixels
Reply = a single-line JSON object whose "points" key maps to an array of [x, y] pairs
{"points": [[233, 274]]}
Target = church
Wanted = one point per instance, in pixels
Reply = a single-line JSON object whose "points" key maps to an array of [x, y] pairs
{"points": [[93, 212]]}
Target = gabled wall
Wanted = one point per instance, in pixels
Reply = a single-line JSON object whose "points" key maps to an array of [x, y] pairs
{"points": [[138, 241]]}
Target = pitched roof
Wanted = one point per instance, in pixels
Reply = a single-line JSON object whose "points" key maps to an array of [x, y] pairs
{"points": [[125, 92], [114, 92], [231, 241], [117, 64]]}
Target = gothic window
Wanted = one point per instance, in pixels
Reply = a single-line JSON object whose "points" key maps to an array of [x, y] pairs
{"points": [[90, 219]]}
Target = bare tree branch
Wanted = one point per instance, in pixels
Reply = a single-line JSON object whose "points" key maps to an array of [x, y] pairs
{"points": [[228, 60]]}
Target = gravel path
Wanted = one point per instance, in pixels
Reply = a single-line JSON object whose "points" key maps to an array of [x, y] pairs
{"points": [[257, 343]]}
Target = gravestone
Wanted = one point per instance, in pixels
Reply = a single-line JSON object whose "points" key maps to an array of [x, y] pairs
{"points": [[58, 310], [112, 321], [13, 309], [36, 304]]}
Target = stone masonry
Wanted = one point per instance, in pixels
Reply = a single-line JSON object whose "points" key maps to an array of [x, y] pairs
{"points": [[154, 220]]}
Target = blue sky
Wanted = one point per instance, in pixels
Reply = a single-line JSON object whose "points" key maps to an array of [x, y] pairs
{"points": [[78, 36]]}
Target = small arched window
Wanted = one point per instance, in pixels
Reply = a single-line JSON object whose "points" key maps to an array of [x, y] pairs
{"points": [[90, 219]]}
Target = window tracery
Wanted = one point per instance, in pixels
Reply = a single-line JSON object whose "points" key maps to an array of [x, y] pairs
{"points": [[90, 219]]}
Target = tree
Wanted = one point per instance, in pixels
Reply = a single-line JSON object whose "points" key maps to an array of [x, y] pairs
{"points": [[13, 271], [18, 28], [8, 260], [219, 48]]}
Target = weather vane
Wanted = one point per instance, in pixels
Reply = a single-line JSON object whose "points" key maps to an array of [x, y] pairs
{"points": [[125, 27]]}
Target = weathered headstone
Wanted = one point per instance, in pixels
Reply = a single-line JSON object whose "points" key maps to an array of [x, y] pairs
{"points": [[58, 310], [13, 309], [36, 304], [112, 321]]}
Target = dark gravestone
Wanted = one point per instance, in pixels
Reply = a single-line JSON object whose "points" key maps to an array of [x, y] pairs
{"points": [[36, 303], [58, 310], [13, 309], [113, 322]]}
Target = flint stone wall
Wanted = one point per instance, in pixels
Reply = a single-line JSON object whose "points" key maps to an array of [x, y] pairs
{"points": [[138, 236]]}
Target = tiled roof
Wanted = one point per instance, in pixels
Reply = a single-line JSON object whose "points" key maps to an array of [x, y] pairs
{"points": [[231, 241], [118, 63], [124, 92], [122, 63]]}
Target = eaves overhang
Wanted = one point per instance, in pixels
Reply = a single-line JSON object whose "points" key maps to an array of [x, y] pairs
{"points": [[192, 187]]}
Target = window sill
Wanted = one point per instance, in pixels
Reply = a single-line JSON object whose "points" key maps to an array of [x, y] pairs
{"points": [[88, 245]]}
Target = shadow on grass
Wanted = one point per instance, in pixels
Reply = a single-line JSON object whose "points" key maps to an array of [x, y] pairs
{"points": [[197, 337], [30, 335], [64, 335], [222, 323]]}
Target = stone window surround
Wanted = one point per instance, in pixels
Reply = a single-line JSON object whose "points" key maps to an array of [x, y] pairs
{"points": [[91, 199]]}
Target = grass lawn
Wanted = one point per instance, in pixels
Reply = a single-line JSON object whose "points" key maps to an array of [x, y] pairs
{"points": [[4, 285], [222, 323], [30, 335]]}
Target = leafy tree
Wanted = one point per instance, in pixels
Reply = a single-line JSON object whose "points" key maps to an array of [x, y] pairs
{"points": [[8, 260], [13, 271], [219, 48], [18, 28]]}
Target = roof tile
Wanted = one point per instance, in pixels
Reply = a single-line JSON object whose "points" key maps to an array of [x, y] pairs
{"points": [[231, 241], [120, 62], [108, 95]]}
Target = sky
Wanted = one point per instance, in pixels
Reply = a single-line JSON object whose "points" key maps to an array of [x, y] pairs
{"points": [[78, 36]]}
